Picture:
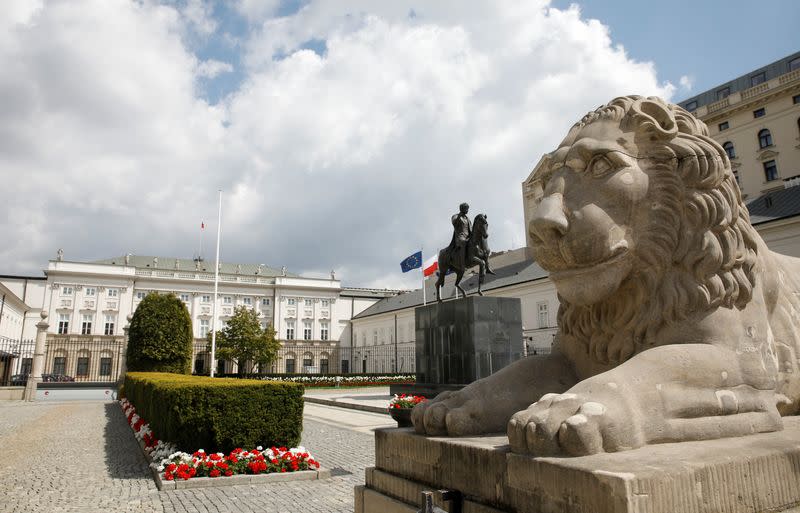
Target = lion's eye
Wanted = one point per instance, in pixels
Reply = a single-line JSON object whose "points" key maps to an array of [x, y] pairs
{"points": [[599, 166]]}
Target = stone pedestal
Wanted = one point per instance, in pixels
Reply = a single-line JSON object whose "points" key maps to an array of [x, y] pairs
{"points": [[752, 474], [464, 340]]}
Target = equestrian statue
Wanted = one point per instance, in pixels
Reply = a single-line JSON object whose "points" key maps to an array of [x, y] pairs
{"points": [[468, 247]]}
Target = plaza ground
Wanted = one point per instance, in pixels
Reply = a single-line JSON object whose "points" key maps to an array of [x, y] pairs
{"points": [[81, 456]]}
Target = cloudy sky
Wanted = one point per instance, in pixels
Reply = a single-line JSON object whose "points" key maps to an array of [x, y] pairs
{"points": [[343, 134]]}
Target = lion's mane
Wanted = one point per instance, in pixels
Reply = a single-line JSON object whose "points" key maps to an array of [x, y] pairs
{"points": [[698, 251]]}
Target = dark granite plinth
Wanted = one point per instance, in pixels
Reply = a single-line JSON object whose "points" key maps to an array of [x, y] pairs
{"points": [[461, 341]]}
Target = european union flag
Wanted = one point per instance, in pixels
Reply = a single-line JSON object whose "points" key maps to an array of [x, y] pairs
{"points": [[412, 262]]}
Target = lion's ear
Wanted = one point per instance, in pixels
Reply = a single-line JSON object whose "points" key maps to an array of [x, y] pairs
{"points": [[654, 119]]}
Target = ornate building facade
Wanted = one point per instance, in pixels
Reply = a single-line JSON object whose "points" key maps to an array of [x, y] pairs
{"points": [[90, 303]]}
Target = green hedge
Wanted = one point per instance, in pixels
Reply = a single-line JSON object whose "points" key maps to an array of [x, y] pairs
{"points": [[217, 414], [160, 336]]}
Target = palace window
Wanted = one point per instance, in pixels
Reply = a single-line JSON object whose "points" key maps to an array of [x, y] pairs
{"points": [[227, 300], [141, 295], [306, 330], [86, 324], [736, 176], [759, 112], [764, 138], [66, 291], [111, 322], [324, 367], [794, 64], [723, 126], [543, 317], [27, 366], [82, 368], [796, 99], [60, 365], [326, 303], [770, 170], [113, 293], [323, 331], [290, 330], [105, 366], [184, 298], [308, 363], [265, 301], [723, 93], [691, 106], [291, 301], [308, 302], [63, 324], [90, 291], [205, 298], [290, 365], [728, 147], [247, 301], [758, 78], [203, 328]]}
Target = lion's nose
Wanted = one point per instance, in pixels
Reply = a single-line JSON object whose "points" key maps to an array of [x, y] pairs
{"points": [[549, 219]]}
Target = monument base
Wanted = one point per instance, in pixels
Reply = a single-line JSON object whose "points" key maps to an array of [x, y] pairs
{"points": [[753, 474]]}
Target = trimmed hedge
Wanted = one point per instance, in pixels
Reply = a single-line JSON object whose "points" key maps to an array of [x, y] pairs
{"points": [[160, 336], [217, 414]]}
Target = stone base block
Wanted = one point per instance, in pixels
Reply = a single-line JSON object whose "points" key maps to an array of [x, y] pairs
{"points": [[752, 474], [429, 390]]}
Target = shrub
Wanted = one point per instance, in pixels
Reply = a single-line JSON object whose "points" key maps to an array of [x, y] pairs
{"points": [[160, 336], [217, 414]]}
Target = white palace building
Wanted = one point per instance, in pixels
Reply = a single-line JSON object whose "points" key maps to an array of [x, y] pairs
{"points": [[89, 305]]}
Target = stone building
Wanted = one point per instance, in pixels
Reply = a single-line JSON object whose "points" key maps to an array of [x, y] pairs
{"points": [[756, 118], [89, 304]]}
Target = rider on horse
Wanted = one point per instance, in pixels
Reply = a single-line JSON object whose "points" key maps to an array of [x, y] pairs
{"points": [[462, 228]]}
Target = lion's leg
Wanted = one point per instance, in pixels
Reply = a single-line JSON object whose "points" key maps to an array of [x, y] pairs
{"points": [[666, 394], [485, 406]]}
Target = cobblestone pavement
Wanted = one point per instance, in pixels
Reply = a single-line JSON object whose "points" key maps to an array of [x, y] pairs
{"points": [[82, 457]]}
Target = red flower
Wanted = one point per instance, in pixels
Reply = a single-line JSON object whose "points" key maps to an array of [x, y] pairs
{"points": [[171, 467], [168, 476], [214, 473]]}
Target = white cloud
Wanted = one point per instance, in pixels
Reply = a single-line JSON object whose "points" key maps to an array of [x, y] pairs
{"points": [[351, 160], [211, 68], [686, 82], [199, 13]]}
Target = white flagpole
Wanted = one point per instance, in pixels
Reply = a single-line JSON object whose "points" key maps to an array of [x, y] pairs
{"points": [[216, 289], [422, 267]]}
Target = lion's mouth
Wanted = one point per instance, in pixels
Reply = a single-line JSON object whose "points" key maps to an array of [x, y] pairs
{"points": [[618, 252]]}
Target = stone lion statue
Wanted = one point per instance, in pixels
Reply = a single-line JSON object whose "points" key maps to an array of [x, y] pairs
{"points": [[676, 322]]}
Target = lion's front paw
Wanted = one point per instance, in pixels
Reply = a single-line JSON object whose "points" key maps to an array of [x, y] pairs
{"points": [[572, 424], [450, 413]]}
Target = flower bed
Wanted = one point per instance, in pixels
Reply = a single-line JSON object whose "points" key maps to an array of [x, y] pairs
{"points": [[169, 464], [345, 381], [405, 401]]}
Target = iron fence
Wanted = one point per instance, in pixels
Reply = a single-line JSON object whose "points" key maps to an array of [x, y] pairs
{"points": [[66, 360], [318, 359]]}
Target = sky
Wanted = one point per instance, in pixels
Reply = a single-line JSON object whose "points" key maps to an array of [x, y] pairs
{"points": [[342, 134]]}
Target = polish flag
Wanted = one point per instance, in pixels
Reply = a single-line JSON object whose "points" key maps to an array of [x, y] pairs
{"points": [[430, 266]]}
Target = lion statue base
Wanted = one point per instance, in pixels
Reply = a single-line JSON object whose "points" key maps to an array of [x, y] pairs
{"points": [[676, 322]]}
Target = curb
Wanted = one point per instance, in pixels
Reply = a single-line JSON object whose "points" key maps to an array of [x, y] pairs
{"points": [[349, 406]]}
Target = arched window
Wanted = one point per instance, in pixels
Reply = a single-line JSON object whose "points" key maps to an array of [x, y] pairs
{"points": [[764, 138], [728, 147]]}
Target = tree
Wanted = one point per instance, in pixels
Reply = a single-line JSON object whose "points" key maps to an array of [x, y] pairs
{"points": [[160, 336], [243, 341]]}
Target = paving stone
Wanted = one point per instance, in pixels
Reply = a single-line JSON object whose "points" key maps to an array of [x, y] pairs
{"points": [[82, 457]]}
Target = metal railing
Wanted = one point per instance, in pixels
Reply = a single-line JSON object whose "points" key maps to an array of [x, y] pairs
{"points": [[320, 359]]}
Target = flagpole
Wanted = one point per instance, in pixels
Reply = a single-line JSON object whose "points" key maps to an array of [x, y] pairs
{"points": [[202, 229], [422, 268], [216, 289]]}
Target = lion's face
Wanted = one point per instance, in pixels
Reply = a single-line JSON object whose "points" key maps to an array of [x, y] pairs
{"points": [[584, 228]]}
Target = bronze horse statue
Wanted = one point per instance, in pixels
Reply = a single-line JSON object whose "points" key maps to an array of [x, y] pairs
{"points": [[477, 254]]}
